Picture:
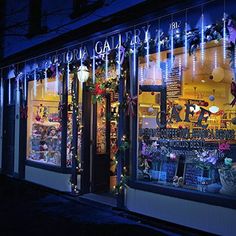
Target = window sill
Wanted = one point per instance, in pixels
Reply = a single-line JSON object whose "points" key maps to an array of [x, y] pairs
{"points": [[197, 196], [49, 167]]}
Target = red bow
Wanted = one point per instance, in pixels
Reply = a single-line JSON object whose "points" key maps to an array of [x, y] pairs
{"points": [[23, 112], [131, 102], [233, 92]]}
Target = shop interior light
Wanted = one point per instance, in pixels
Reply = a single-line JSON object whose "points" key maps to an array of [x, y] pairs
{"points": [[83, 73], [214, 109]]}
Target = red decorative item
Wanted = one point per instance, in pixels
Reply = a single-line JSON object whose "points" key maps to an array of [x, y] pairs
{"points": [[98, 90], [233, 92], [131, 102], [23, 112]]}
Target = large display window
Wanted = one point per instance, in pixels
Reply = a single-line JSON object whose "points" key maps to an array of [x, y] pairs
{"points": [[186, 121], [44, 121]]}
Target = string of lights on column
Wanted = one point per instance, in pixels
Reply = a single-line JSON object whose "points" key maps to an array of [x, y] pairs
{"points": [[186, 40], [202, 38]]}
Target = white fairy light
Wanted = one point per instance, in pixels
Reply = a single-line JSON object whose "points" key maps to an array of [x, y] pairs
{"points": [[134, 56], [25, 85], [166, 75], [45, 80], [234, 56], [215, 59], [224, 38], [119, 56], [94, 78], [159, 46], [194, 64], [68, 76], [202, 40], [186, 46], [180, 67], [9, 91], [172, 47], [141, 75], [35, 83], [106, 64], [57, 78], [147, 48]]}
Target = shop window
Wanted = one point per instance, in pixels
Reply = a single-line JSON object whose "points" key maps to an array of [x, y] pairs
{"points": [[186, 122], [44, 121]]}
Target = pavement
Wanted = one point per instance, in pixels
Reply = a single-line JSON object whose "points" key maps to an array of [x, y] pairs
{"points": [[28, 209]]}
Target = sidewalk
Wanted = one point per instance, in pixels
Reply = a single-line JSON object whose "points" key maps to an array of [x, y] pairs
{"points": [[27, 209]]}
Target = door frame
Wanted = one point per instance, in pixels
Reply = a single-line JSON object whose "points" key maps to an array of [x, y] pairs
{"points": [[94, 141]]}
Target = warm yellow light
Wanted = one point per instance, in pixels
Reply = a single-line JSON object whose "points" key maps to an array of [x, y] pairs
{"points": [[214, 109]]}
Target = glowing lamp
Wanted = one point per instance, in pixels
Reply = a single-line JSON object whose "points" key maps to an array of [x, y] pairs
{"points": [[83, 73], [214, 109]]}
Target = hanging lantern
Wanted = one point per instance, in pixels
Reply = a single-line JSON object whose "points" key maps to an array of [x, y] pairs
{"points": [[83, 73]]}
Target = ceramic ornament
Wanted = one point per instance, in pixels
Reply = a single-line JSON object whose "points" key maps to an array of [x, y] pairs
{"points": [[211, 98], [233, 121], [218, 74], [150, 110]]}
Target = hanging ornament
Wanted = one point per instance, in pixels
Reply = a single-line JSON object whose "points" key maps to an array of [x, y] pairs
{"points": [[150, 110], [131, 102], [211, 98], [218, 74], [233, 121], [179, 107]]}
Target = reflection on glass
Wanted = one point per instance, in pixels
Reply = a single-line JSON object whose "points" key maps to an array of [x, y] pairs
{"points": [[43, 123], [101, 126]]}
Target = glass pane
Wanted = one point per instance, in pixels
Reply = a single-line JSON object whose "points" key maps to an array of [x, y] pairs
{"points": [[195, 148], [69, 123], [43, 122], [101, 126]]}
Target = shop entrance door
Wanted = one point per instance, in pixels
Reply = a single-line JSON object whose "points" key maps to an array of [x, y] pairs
{"points": [[101, 156], [8, 128]]}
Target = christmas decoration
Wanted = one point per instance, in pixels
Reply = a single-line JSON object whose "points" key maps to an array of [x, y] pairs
{"points": [[211, 98], [233, 92]]}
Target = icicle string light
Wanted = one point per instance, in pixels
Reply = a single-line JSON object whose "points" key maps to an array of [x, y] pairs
{"points": [[180, 67], [94, 78], [68, 75], [119, 63], [45, 80], [141, 75], [147, 47], [202, 40], [234, 56], [172, 44], [186, 45], [166, 75], [224, 38], [57, 79], [9, 91], [25, 84], [215, 59], [159, 49], [134, 55], [35, 83], [194, 64], [106, 64]]}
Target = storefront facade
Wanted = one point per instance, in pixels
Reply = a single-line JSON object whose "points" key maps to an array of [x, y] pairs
{"points": [[147, 113]]}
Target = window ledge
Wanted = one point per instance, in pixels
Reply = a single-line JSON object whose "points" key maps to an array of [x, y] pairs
{"points": [[203, 197]]}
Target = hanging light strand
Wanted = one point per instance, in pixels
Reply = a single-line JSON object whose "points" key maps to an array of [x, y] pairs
{"points": [[119, 56], [106, 64], [134, 56], [94, 65], [57, 78], [186, 42], [35, 83], [215, 59], [224, 36], [25, 84], [147, 47], [194, 64], [202, 39], [172, 44], [159, 46]]}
